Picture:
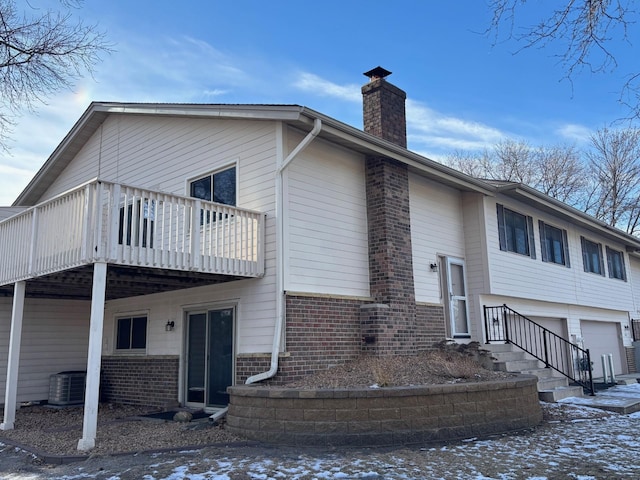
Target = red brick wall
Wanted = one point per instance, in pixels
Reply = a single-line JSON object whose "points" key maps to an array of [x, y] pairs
{"points": [[430, 326], [149, 380], [383, 108]]}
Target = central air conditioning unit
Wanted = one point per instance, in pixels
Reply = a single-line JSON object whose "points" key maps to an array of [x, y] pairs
{"points": [[67, 388]]}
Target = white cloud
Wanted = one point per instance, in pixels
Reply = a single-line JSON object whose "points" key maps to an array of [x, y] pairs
{"points": [[575, 133], [434, 131], [312, 83]]}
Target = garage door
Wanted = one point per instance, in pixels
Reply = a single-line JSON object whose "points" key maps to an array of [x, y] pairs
{"points": [[602, 338]]}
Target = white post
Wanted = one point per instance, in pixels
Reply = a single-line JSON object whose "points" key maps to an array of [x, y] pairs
{"points": [[11, 388], [603, 359], [91, 396], [611, 369]]}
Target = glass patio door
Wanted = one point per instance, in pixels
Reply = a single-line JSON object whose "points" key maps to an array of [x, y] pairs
{"points": [[209, 357]]}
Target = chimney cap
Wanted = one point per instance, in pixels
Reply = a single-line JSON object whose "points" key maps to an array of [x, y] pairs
{"points": [[377, 72]]}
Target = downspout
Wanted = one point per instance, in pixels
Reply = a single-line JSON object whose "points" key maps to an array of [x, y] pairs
{"points": [[280, 298]]}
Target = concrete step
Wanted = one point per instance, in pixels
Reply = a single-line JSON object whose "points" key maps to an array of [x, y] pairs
{"points": [[508, 356], [516, 365], [498, 347], [539, 372], [552, 382], [559, 393]]}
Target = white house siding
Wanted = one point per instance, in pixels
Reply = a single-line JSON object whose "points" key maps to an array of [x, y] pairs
{"points": [[476, 258], [520, 276], [437, 229], [54, 339], [326, 215], [162, 153], [634, 275]]}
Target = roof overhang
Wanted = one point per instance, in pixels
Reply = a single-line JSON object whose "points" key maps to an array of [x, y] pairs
{"points": [[550, 205], [299, 117]]}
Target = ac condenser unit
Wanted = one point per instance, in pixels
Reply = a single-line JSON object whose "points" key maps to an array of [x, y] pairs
{"points": [[67, 388]]}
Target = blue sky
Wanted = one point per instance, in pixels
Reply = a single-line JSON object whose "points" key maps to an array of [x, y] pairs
{"points": [[463, 91]]}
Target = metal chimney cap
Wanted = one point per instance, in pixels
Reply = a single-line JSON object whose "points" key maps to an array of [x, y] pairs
{"points": [[377, 72]]}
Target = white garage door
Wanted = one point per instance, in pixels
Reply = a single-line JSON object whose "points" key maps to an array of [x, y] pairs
{"points": [[602, 338]]}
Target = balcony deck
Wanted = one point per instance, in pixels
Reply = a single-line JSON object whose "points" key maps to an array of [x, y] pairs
{"points": [[152, 241]]}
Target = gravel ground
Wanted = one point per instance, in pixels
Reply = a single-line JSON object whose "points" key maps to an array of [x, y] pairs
{"points": [[572, 443]]}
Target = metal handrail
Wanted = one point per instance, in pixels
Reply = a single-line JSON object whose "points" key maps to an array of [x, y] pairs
{"points": [[635, 329], [503, 324]]}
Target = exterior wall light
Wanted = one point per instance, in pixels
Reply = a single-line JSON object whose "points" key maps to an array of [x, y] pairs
{"points": [[169, 326]]}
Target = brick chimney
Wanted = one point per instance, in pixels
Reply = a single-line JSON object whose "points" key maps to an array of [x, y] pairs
{"points": [[388, 326], [384, 108]]}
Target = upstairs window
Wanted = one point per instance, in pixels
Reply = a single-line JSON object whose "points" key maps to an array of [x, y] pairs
{"points": [[131, 334], [554, 244], [217, 187], [515, 231], [592, 256], [615, 264]]}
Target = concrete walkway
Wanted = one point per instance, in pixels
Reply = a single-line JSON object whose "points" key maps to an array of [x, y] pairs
{"points": [[622, 398]]}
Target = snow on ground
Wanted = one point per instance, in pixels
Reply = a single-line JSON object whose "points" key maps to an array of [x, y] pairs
{"points": [[576, 442]]}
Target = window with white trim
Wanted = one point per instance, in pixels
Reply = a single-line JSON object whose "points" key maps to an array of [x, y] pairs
{"points": [[219, 186], [615, 264], [515, 232], [592, 256], [131, 334], [553, 244]]}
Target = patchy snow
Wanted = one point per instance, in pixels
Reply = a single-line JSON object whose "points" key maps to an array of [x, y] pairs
{"points": [[580, 443]]}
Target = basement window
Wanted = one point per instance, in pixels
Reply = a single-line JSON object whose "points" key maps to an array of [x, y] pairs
{"points": [[131, 334]]}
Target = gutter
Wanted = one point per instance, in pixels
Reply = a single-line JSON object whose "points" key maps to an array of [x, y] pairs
{"points": [[280, 231]]}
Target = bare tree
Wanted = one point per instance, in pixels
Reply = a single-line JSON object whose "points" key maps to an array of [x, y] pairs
{"points": [[614, 166], [41, 52], [556, 171], [582, 29]]}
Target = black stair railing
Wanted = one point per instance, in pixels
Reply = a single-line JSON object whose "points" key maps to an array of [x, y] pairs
{"points": [[502, 324], [635, 329]]}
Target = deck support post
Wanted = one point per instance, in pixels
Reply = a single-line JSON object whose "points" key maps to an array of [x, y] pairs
{"points": [[94, 355], [11, 388]]}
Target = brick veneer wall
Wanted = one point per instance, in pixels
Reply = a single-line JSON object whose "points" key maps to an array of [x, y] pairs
{"points": [[320, 332], [386, 416], [148, 380], [430, 325], [631, 359]]}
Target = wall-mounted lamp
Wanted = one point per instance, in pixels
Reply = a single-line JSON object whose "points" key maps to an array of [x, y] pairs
{"points": [[626, 327], [169, 326], [433, 267]]}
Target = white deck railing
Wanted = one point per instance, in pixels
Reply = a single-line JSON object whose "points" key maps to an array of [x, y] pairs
{"points": [[104, 221]]}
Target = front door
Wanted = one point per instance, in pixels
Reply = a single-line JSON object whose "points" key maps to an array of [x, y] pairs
{"points": [[457, 293], [209, 357]]}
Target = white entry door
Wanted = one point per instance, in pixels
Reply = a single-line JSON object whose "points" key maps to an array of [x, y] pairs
{"points": [[457, 298]]}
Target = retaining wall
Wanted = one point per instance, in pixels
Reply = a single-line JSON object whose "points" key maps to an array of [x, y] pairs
{"points": [[384, 416]]}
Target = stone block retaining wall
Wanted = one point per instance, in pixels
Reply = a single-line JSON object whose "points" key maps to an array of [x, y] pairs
{"points": [[385, 416]]}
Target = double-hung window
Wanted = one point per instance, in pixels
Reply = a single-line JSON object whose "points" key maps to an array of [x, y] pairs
{"points": [[592, 256], [515, 232], [131, 334], [615, 264], [554, 244]]}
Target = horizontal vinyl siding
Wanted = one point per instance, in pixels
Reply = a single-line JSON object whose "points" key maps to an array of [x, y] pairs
{"points": [[327, 244], [634, 277], [163, 153], [55, 336], [436, 229], [255, 300], [520, 276]]}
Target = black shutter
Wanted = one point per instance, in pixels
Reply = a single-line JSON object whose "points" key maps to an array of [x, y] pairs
{"points": [[502, 234], [565, 245], [532, 243]]}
